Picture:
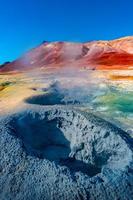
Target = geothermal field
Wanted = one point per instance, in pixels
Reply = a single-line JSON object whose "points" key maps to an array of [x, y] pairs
{"points": [[66, 122]]}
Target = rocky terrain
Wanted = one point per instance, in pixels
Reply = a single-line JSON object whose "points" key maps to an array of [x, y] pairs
{"points": [[66, 118], [115, 54], [60, 153]]}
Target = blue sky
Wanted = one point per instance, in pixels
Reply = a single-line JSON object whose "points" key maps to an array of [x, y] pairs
{"points": [[26, 23]]}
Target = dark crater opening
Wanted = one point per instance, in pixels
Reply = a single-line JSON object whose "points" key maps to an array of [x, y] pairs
{"points": [[52, 98], [53, 95], [49, 139], [46, 99]]}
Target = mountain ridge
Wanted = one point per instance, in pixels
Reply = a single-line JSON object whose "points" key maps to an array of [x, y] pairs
{"points": [[108, 54]]}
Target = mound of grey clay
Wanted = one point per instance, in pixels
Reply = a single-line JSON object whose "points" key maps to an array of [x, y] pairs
{"points": [[63, 154]]}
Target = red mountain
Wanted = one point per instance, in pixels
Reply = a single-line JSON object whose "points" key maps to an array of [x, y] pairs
{"points": [[116, 54]]}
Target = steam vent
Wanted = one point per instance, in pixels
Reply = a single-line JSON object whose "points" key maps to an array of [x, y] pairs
{"points": [[66, 122]]}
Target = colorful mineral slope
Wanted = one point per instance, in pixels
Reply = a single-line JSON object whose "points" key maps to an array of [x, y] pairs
{"points": [[116, 54], [62, 110]]}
